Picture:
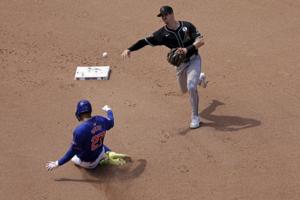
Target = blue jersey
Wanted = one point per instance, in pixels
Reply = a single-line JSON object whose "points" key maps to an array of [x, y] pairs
{"points": [[88, 138]]}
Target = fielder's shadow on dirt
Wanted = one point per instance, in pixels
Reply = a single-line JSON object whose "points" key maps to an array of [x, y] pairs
{"points": [[223, 122], [226, 122], [109, 173]]}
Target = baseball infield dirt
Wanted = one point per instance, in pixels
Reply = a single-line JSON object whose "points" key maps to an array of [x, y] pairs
{"points": [[248, 147]]}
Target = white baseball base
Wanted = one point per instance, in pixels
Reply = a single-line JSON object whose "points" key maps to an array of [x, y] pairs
{"points": [[92, 73]]}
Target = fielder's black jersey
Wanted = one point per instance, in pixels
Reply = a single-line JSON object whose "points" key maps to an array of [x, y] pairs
{"points": [[183, 36]]}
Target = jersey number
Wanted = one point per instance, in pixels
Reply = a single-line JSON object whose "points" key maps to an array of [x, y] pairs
{"points": [[97, 141]]}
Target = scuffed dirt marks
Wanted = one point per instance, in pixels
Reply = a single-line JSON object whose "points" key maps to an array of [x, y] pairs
{"points": [[115, 181]]}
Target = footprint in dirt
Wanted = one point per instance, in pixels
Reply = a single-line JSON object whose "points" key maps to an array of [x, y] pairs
{"points": [[172, 93], [165, 136], [7, 52], [114, 181], [183, 131], [66, 86], [130, 104], [183, 169]]}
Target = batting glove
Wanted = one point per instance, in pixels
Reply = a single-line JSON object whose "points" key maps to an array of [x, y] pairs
{"points": [[106, 108], [51, 165]]}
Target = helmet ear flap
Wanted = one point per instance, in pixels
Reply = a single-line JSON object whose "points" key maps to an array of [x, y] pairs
{"points": [[77, 116], [83, 106]]}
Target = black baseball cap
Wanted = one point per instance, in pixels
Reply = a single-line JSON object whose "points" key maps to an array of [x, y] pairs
{"points": [[165, 10]]}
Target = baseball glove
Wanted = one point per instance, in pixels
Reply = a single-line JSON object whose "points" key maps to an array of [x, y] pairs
{"points": [[175, 58]]}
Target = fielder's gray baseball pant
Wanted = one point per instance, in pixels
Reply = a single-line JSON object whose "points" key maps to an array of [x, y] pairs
{"points": [[188, 77]]}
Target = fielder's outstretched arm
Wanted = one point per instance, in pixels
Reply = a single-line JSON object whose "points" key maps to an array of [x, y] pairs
{"points": [[152, 41], [138, 45]]}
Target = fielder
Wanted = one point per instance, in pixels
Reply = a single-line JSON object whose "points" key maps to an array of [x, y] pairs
{"points": [[184, 37], [87, 148]]}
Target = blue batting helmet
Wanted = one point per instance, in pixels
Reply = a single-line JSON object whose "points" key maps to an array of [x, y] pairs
{"points": [[83, 106]]}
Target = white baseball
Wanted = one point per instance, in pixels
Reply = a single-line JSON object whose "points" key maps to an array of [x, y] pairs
{"points": [[104, 55]]}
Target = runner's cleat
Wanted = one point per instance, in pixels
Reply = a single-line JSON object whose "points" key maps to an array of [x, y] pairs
{"points": [[113, 158]]}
